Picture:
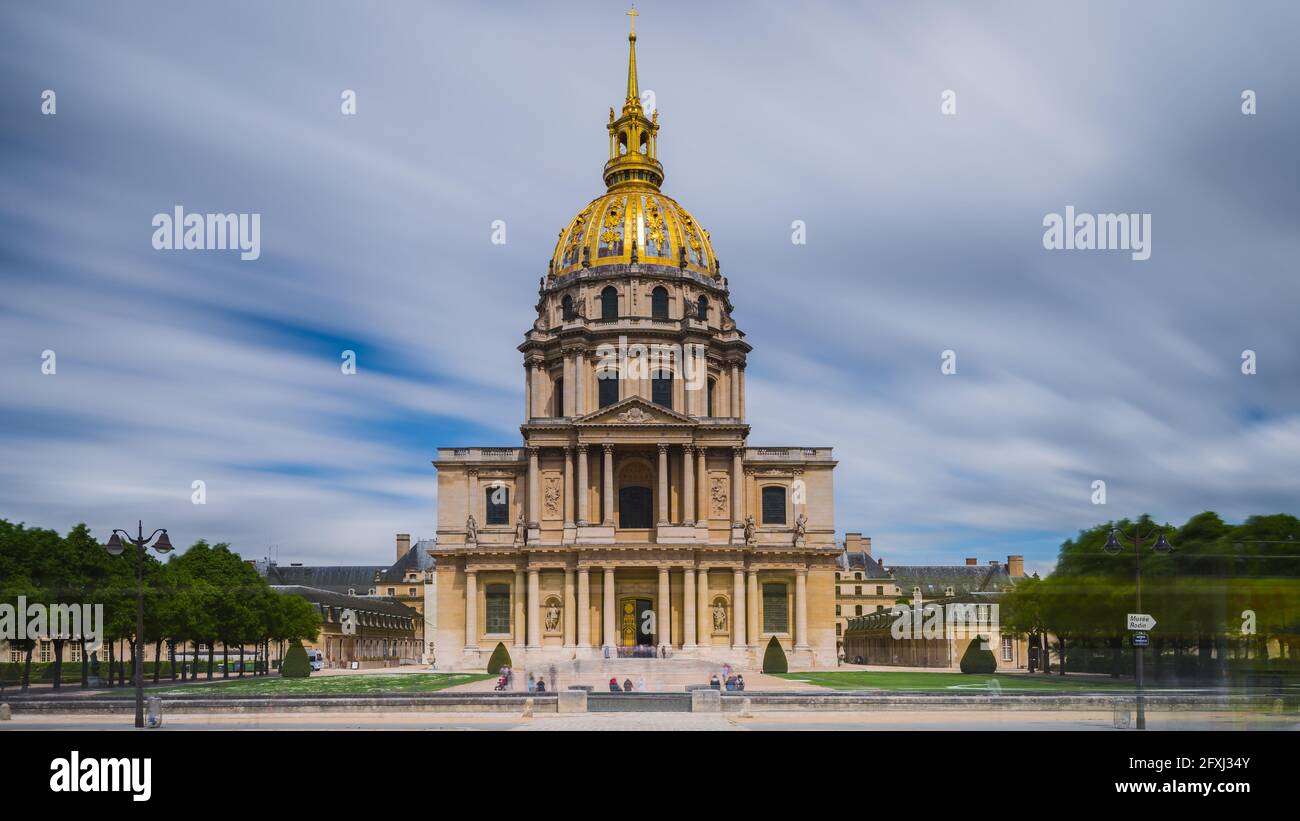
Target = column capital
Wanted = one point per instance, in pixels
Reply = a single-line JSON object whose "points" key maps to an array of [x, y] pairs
{"points": [[738, 451], [688, 448], [472, 473], [608, 448], [702, 450], [581, 447], [663, 447]]}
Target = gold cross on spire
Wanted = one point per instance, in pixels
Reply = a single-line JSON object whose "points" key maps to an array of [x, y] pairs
{"points": [[633, 14]]}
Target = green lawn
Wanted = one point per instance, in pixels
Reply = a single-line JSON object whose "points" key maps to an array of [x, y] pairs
{"points": [[954, 682], [372, 684]]}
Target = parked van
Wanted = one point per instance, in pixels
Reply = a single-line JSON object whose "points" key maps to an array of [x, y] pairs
{"points": [[317, 659]]}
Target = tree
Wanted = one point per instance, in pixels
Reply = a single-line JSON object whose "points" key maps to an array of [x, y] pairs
{"points": [[500, 658], [295, 664]]}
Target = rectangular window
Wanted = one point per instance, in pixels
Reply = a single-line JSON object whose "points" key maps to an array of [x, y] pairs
{"points": [[773, 505], [1006, 648], [661, 391], [410, 591], [776, 614], [607, 389], [880, 590], [857, 590], [496, 503], [498, 608]]}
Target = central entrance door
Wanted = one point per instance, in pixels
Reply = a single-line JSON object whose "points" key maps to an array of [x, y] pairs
{"points": [[634, 623]]}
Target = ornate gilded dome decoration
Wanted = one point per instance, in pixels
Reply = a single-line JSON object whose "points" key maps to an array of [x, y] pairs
{"points": [[633, 221]]}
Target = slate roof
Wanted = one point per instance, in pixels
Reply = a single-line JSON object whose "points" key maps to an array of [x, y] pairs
{"points": [[935, 579], [328, 598], [342, 578], [861, 561]]}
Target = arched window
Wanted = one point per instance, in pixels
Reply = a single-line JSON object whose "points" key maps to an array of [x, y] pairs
{"points": [[622, 143], [773, 505], [609, 303], [659, 303], [702, 309], [559, 396], [607, 387], [661, 389], [645, 142], [634, 505], [566, 308], [708, 411], [496, 505]]}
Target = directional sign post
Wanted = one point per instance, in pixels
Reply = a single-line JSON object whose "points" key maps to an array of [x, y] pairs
{"points": [[1140, 621]]}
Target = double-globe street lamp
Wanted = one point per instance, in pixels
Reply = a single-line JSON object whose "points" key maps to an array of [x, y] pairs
{"points": [[115, 547], [1114, 546]]}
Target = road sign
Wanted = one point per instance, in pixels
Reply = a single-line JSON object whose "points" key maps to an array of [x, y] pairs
{"points": [[1140, 640], [1140, 621]]}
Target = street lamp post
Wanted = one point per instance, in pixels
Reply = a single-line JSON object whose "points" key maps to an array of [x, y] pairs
{"points": [[115, 547], [1114, 546]]}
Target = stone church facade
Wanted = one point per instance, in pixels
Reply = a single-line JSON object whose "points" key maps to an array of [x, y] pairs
{"points": [[636, 519]]}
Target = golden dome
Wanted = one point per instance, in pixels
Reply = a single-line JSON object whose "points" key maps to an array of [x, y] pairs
{"points": [[633, 221], [633, 225]]}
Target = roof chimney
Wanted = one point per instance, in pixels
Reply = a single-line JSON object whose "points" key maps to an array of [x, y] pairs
{"points": [[881, 562], [866, 545], [972, 561], [994, 563], [853, 542], [1015, 566], [403, 545]]}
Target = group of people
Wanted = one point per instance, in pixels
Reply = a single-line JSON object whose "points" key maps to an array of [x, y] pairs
{"points": [[506, 681], [732, 682], [627, 686]]}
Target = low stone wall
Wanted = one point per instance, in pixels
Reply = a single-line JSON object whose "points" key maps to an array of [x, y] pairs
{"points": [[884, 701]]}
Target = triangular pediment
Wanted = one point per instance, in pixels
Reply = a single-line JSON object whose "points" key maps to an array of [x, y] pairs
{"points": [[634, 411]]}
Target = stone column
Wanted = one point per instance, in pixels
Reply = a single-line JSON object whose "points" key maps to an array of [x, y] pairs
{"points": [[610, 629], [570, 607], [528, 391], [534, 608], [739, 612], [742, 394], [664, 611], [580, 383], [688, 609], [688, 486], [607, 475], [752, 600], [702, 479], [566, 401], [663, 484], [584, 607], [521, 609], [534, 489], [568, 487], [584, 487], [471, 610], [735, 390], [801, 610], [704, 618], [738, 487]]}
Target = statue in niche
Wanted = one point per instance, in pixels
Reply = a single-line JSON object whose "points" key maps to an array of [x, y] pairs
{"points": [[521, 531], [751, 532], [800, 529], [471, 530], [719, 617], [718, 494], [552, 616]]}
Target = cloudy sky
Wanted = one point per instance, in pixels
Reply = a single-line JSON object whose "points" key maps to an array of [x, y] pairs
{"points": [[924, 234]]}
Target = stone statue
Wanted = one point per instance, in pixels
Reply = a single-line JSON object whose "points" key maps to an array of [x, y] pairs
{"points": [[552, 616], [751, 536], [719, 617], [521, 532], [800, 528], [471, 530]]}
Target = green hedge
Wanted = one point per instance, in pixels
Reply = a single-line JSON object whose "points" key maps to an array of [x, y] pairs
{"points": [[978, 658], [296, 664], [500, 658], [774, 658]]}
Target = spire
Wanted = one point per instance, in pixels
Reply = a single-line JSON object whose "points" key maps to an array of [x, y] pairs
{"points": [[633, 92], [633, 137]]}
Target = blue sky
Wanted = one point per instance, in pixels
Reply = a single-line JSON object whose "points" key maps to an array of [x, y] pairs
{"points": [[924, 235]]}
